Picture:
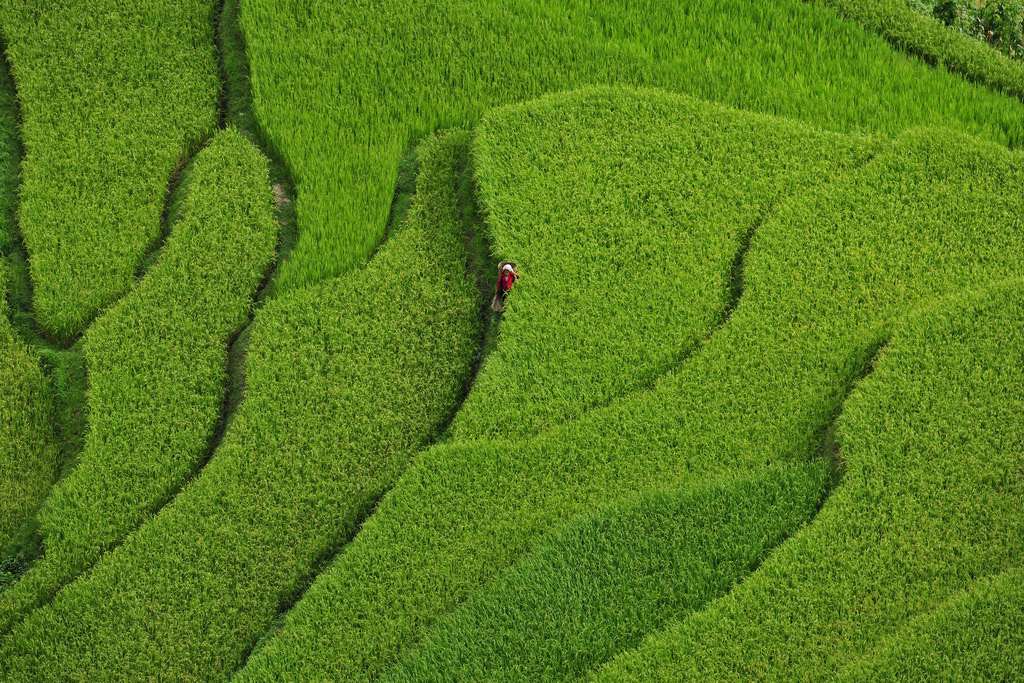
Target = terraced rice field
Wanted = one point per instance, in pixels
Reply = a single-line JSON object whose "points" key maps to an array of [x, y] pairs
{"points": [[751, 412]]}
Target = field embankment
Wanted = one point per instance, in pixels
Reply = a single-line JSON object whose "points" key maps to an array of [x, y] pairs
{"points": [[909, 30], [626, 267]]}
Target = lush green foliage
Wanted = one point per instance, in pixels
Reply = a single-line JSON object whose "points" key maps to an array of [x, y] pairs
{"points": [[342, 88], [975, 635], [10, 154], [611, 577], [113, 96], [998, 22], [929, 502], [599, 212], [702, 289], [28, 455], [28, 458], [925, 36], [343, 383], [824, 278], [156, 363]]}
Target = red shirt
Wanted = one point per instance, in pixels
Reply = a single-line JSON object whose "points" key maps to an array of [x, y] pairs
{"points": [[506, 280]]}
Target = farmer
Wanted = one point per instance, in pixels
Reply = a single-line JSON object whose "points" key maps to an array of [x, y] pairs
{"points": [[507, 277]]}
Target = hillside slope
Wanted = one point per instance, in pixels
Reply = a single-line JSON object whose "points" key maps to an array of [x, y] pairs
{"points": [[826, 278], [385, 353], [343, 89], [929, 503]]}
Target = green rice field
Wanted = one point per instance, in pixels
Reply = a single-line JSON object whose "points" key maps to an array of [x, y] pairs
{"points": [[750, 412]]}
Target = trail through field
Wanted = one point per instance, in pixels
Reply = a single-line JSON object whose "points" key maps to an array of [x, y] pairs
{"points": [[631, 271]]}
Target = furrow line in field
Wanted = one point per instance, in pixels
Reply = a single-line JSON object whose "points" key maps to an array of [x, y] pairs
{"points": [[63, 368], [736, 288], [735, 293], [830, 447], [325, 560], [64, 363], [480, 266], [29, 457], [849, 583], [133, 457], [216, 18]]}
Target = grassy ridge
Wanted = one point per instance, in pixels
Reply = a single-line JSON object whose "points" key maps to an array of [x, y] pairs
{"points": [[341, 89], [28, 458], [925, 36], [344, 382], [10, 155], [976, 635], [156, 363], [112, 98], [625, 263], [929, 502], [609, 578], [824, 278]]}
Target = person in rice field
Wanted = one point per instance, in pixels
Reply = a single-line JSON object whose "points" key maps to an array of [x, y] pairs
{"points": [[507, 277]]}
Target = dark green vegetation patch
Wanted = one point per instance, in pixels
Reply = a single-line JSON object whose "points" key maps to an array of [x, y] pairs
{"points": [[910, 29], [28, 454], [592, 590]]}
